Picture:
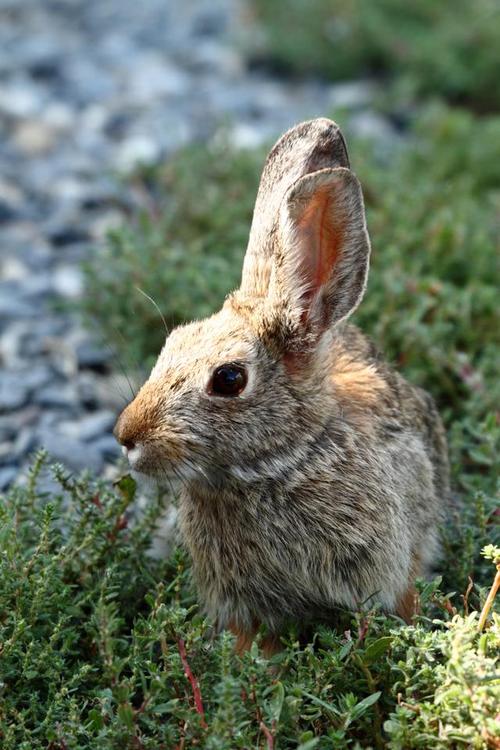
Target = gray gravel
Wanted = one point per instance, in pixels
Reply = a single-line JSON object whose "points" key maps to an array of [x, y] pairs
{"points": [[87, 91]]}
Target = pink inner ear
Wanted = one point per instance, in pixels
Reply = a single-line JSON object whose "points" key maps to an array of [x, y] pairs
{"points": [[321, 231]]}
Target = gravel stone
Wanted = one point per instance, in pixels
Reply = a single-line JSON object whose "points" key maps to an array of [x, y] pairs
{"points": [[13, 392], [34, 137], [35, 377], [20, 99], [72, 453], [12, 307], [108, 447], [60, 396], [68, 281], [7, 450], [92, 356], [12, 423], [7, 476], [89, 427], [7, 212]]}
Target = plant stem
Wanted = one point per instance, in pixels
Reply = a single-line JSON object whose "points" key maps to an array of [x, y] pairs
{"points": [[489, 600], [193, 681]]}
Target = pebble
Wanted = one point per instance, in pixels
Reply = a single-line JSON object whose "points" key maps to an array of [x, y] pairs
{"points": [[92, 356], [7, 212], [73, 453], [89, 90], [33, 138], [136, 151], [11, 424], [20, 100], [7, 476], [108, 447], [56, 396], [13, 392], [68, 281], [89, 427]]}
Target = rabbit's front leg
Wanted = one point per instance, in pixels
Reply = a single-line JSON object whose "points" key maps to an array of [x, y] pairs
{"points": [[407, 606], [270, 643]]}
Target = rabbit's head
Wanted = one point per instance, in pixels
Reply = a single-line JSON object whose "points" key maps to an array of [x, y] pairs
{"points": [[231, 396]]}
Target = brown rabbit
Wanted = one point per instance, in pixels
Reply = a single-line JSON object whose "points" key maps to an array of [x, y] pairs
{"points": [[313, 475]]}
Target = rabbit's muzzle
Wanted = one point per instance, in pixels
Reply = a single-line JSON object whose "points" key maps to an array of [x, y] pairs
{"points": [[127, 430], [131, 433], [146, 439]]}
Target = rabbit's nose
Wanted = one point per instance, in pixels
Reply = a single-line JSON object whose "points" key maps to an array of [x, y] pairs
{"points": [[124, 432]]}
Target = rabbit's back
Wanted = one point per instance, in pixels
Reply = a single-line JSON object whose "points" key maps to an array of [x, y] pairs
{"points": [[377, 398]]}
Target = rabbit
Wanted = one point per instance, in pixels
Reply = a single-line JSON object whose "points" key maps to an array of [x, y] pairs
{"points": [[313, 475]]}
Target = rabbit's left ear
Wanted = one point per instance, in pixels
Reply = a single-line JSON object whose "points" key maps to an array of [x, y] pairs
{"points": [[322, 264]]}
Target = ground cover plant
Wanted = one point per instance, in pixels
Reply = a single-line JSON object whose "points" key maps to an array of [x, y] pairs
{"points": [[446, 48], [103, 646]]}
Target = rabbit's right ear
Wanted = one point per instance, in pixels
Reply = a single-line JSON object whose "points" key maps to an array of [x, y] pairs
{"points": [[322, 264], [308, 147]]}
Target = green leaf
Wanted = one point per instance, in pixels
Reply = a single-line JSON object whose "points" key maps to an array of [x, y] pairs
{"points": [[126, 715], [95, 719], [166, 708], [276, 701], [323, 704], [377, 648], [309, 744], [363, 706], [127, 486]]}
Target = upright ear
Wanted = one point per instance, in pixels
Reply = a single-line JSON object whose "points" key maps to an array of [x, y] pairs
{"points": [[322, 264], [308, 147]]}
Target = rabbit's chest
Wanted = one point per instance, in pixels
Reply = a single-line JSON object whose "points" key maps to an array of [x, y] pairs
{"points": [[234, 545], [257, 560], [227, 543]]}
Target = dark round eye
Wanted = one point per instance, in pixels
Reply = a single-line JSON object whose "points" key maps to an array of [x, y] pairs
{"points": [[229, 380]]}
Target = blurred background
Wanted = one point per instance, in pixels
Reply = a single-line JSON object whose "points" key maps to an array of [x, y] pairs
{"points": [[132, 137]]}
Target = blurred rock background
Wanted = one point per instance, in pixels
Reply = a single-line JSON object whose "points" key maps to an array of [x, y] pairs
{"points": [[92, 92]]}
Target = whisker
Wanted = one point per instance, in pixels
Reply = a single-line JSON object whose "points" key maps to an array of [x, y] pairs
{"points": [[118, 389], [156, 307], [116, 382], [115, 354]]}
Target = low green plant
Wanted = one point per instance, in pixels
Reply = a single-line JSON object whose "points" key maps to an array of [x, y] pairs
{"points": [[102, 646], [445, 48]]}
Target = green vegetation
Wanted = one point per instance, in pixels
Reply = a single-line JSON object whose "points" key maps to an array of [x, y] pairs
{"points": [[101, 647], [447, 48]]}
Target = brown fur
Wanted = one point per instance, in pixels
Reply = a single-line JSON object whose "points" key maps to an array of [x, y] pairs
{"points": [[325, 480], [270, 643], [407, 606]]}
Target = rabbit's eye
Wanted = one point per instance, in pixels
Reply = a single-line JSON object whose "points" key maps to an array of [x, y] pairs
{"points": [[229, 380]]}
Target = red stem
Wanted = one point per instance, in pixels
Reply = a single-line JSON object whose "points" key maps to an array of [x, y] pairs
{"points": [[269, 736], [193, 681]]}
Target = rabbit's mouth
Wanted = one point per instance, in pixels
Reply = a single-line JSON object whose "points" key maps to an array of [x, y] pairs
{"points": [[161, 467], [134, 454]]}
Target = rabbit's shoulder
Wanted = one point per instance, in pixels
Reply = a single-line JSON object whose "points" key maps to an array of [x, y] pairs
{"points": [[382, 403]]}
